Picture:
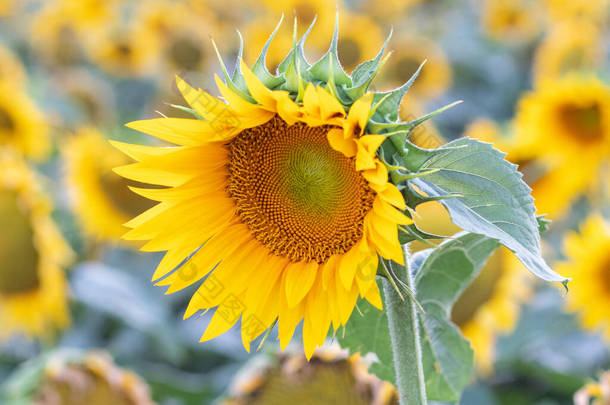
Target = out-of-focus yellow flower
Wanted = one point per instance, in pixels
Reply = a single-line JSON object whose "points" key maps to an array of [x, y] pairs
{"points": [[599, 392], [491, 304], [89, 14], [101, 198], [125, 51], [305, 11], [425, 135], [570, 46], [588, 263], [7, 8], [409, 53], [565, 124], [91, 378], [590, 11], [331, 377], [22, 125], [11, 69], [92, 97], [184, 39], [32, 284], [55, 37], [359, 39], [390, 9], [513, 21]]}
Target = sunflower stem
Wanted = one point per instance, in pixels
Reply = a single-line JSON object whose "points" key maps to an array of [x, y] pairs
{"points": [[406, 345]]}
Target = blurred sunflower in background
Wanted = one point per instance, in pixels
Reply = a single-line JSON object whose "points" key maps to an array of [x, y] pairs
{"points": [[410, 51], [566, 126], [11, 69], [329, 377], [22, 125], [355, 47], [588, 262], [73, 377], [101, 199], [33, 288], [513, 21], [569, 47]]}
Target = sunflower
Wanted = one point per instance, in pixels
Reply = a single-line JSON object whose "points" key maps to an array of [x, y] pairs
{"points": [[588, 262], [566, 125], [11, 69], [7, 8], [598, 391], [284, 200], [331, 377], [410, 52], [101, 199], [74, 377], [32, 251], [181, 36], [592, 11], [353, 46], [569, 47], [22, 125], [491, 304], [392, 10], [124, 51], [515, 21]]}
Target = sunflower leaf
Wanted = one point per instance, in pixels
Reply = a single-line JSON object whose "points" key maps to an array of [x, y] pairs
{"points": [[494, 200], [442, 274]]}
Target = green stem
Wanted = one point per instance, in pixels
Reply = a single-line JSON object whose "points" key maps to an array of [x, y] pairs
{"points": [[406, 346]]}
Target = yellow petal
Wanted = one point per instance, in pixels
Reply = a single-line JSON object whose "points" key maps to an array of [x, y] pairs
{"points": [[378, 175], [384, 235], [311, 103], [141, 152], [330, 107], [259, 91], [349, 266], [299, 279], [390, 213], [204, 104], [226, 315], [373, 297], [358, 116], [183, 131], [392, 195], [236, 104], [340, 144]]}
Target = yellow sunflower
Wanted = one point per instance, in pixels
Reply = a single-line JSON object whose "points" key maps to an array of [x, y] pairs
{"points": [[7, 8], [11, 69], [100, 198], [591, 11], [332, 377], [32, 251], [491, 304], [73, 377], [306, 11], [566, 125], [124, 50], [22, 125], [182, 37], [410, 51], [570, 46], [390, 9], [353, 45], [514, 21], [588, 262], [283, 204]]}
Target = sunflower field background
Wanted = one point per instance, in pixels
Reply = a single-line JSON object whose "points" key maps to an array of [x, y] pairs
{"points": [[80, 321]]}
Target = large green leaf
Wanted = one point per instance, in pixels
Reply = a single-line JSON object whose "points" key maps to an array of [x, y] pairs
{"points": [[442, 275], [494, 201]]}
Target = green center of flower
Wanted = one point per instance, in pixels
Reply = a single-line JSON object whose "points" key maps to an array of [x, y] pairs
{"points": [[350, 53], [299, 197], [479, 292], [185, 53], [18, 254], [7, 124], [584, 122], [116, 188]]}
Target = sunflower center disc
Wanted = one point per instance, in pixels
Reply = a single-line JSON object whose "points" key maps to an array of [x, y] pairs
{"points": [[186, 53], [298, 196], [18, 255], [6, 122], [584, 122]]}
